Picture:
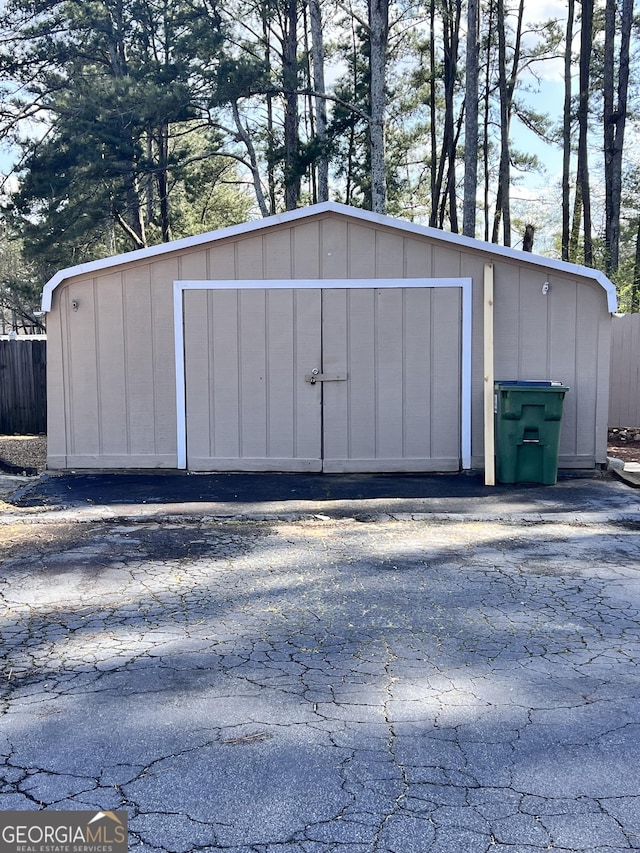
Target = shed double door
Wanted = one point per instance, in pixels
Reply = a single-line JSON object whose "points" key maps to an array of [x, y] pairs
{"points": [[335, 379]]}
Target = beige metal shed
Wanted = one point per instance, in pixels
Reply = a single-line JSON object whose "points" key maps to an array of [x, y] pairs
{"points": [[324, 339]]}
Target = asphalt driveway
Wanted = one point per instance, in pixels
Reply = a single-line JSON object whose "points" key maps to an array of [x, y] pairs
{"points": [[315, 684], [233, 495]]}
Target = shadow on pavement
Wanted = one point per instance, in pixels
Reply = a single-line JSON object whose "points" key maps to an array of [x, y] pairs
{"points": [[583, 491]]}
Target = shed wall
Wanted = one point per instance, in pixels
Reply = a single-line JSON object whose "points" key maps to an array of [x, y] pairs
{"points": [[111, 362], [624, 405]]}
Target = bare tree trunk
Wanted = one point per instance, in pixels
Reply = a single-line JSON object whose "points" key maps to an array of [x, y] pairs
{"points": [[487, 112], [309, 117], [270, 154], [566, 132], [315, 16], [586, 34], [245, 136], [614, 118], [149, 186], [433, 112], [609, 131], [471, 123], [379, 36], [290, 82], [507, 87], [449, 194], [451, 10], [135, 234], [162, 141], [502, 211], [574, 238], [352, 148], [131, 220]]}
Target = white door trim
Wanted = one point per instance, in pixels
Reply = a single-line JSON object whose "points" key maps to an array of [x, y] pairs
{"points": [[179, 287]]}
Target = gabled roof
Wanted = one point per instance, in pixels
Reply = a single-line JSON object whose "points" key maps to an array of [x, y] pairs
{"points": [[457, 240]]}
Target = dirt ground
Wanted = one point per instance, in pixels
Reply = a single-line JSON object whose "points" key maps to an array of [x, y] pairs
{"points": [[28, 453], [622, 444], [23, 453]]}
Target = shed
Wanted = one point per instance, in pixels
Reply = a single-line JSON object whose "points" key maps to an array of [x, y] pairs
{"points": [[323, 339]]}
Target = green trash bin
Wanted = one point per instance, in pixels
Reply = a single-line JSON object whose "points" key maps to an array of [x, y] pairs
{"points": [[527, 421]]}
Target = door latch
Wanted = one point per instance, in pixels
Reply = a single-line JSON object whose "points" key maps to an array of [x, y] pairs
{"points": [[316, 376]]}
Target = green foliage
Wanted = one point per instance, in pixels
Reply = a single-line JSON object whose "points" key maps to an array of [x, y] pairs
{"points": [[20, 284], [117, 86], [136, 121]]}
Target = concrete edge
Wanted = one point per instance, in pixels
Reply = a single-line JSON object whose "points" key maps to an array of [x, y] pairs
{"points": [[154, 514], [631, 478]]}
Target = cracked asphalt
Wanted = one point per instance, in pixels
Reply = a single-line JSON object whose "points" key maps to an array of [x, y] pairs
{"points": [[318, 684]]}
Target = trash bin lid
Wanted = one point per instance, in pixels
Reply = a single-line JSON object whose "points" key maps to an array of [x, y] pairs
{"points": [[529, 383]]}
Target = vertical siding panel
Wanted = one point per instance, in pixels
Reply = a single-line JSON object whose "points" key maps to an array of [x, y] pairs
{"points": [[446, 262], [83, 370], [533, 320], [335, 358], [624, 406], [616, 377], [362, 251], [445, 372], [334, 254], [389, 346], [253, 373], [626, 365], [221, 262], [57, 387], [362, 373], [589, 307], [417, 258], [198, 379], [472, 266], [65, 309], [389, 255], [417, 372], [193, 266], [602, 386], [250, 257], [506, 318], [624, 368], [621, 375], [111, 365], [633, 386], [562, 297], [281, 366], [141, 404], [277, 255], [163, 274], [630, 390], [306, 251], [307, 355], [225, 378]]}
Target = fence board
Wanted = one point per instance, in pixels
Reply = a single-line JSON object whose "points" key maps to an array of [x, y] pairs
{"points": [[624, 389], [23, 387]]}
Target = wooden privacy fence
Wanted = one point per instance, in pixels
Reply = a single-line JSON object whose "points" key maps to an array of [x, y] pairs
{"points": [[23, 386], [624, 393]]}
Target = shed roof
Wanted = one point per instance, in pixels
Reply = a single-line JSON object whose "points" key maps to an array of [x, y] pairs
{"points": [[354, 213]]}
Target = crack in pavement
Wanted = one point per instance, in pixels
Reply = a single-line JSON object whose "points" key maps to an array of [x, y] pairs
{"points": [[323, 685]]}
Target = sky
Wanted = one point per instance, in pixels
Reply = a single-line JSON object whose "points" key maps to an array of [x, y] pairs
{"points": [[532, 191]]}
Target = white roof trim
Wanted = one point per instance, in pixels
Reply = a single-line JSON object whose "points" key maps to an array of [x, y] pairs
{"points": [[352, 212]]}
